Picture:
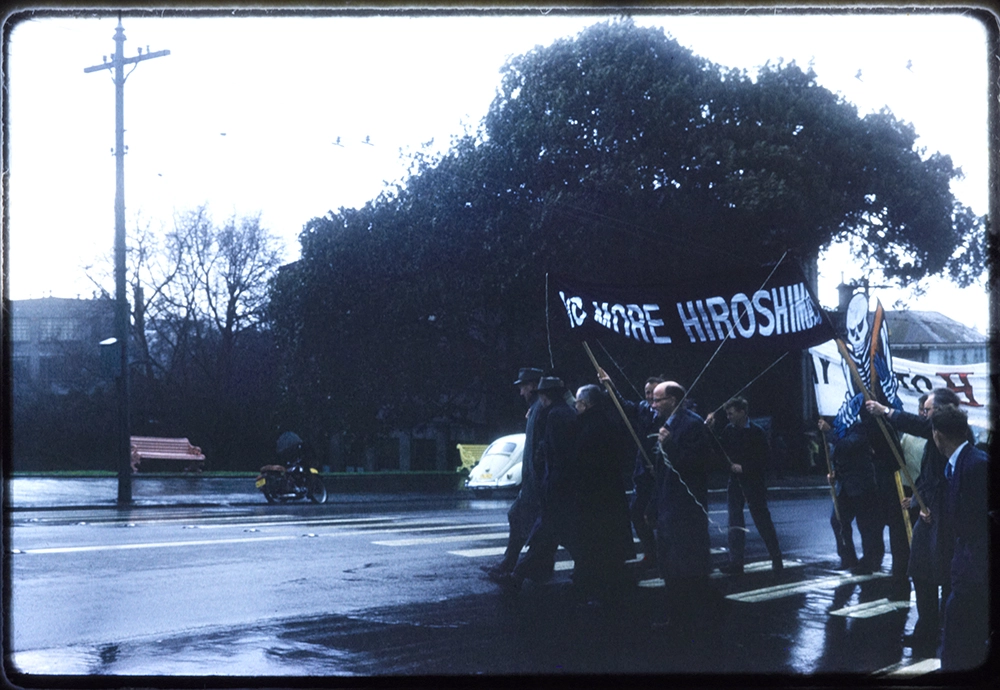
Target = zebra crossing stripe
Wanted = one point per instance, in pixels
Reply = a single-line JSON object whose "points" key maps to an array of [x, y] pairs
{"points": [[910, 668], [758, 567], [481, 553], [871, 609], [791, 589], [491, 551], [415, 541]]}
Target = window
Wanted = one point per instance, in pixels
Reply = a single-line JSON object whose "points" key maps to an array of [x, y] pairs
{"points": [[20, 330], [59, 329], [20, 369]]}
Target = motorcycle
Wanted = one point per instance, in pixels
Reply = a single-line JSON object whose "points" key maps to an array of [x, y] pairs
{"points": [[292, 480]]}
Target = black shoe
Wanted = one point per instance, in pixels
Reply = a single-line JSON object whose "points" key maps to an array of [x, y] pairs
{"points": [[494, 570], [731, 568], [777, 565], [507, 582]]}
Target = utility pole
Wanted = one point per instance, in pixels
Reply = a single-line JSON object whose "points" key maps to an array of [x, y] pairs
{"points": [[117, 63]]}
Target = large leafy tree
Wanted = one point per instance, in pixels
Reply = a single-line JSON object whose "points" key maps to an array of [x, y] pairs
{"points": [[617, 155]]}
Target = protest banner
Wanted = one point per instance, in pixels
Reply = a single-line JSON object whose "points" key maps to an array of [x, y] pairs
{"points": [[764, 309], [969, 381]]}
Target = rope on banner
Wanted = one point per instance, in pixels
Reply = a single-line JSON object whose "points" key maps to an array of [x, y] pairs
{"points": [[622, 371], [715, 437], [666, 461], [732, 327], [548, 331], [752, 381], [621, 411]]}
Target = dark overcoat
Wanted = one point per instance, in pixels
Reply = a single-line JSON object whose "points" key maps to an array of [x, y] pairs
{"points": [[525, 509], [557, 451], [930, 547], [603, 519], [680, 500]]}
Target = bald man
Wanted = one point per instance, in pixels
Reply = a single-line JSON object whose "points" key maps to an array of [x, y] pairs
{"points": [[678, 510]]}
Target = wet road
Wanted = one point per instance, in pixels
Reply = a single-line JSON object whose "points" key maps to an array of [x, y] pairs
{"points": [[218, 583]]}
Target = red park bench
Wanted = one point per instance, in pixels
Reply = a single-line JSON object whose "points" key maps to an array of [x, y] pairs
{"points": [[166, 450]]}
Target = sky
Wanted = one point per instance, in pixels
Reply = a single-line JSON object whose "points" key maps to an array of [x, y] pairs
{"points": [[291, 117]]}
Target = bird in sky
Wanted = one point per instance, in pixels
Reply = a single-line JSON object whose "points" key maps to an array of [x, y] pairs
{"points": [[909, 65]]}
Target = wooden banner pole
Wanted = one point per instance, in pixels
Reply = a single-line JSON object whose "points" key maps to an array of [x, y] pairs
{"points": [[621, 411], [885, 431]]}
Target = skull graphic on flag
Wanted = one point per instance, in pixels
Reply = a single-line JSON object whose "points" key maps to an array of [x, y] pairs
{"points": [[868, 346]]}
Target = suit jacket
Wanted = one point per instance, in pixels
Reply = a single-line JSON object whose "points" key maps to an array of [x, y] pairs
{"points": [[966, 508], [688, 452]]}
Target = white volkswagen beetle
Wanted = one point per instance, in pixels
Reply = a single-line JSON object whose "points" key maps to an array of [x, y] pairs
{"points": [[500, 466]]}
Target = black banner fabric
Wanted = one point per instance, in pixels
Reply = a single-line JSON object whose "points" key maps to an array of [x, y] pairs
{"points": [[756, 310]]}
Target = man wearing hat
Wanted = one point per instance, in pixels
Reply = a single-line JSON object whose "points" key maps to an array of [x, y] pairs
{"points": [[527, 506], [551, 463]]}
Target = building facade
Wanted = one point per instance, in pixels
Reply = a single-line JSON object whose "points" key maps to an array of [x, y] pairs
{"points": [[55, 343]]}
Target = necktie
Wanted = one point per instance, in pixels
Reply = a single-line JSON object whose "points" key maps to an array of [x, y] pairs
{"points": [[949, 469]]}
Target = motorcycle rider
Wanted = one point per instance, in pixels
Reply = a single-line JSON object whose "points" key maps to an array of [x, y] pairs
{"points": [[291, 450]]}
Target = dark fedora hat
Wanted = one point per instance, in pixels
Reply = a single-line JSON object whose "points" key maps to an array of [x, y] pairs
{"points": [[551, 383], [528, 375]]}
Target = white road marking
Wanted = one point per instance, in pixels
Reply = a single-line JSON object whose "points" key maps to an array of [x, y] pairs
{"points": [[791, 589], [284, 523], [749, 567], [153, 545], [482, 553], [242, 540], [441, 528], [758, 567], [441, 540], [871, 609], [909, 668]]}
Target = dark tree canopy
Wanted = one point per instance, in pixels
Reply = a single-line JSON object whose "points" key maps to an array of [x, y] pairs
{"points": [[617, 155]]}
